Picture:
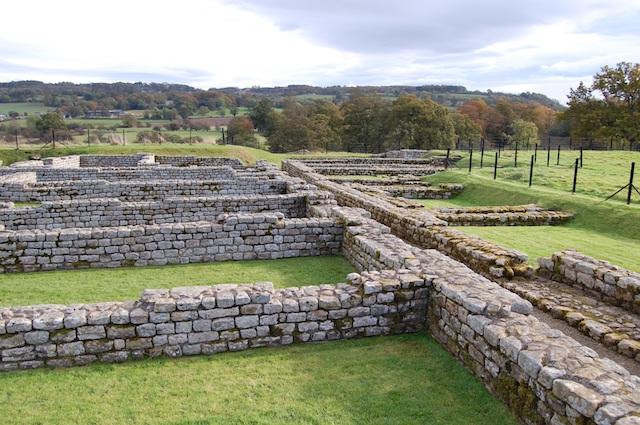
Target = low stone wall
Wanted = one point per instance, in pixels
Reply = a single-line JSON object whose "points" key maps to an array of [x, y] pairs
{"points": [[207, 320], [199, 161], [374, 166], [519, 215], [137, 190], [116, 160], [421, 227], [104, 212], [540, 373], [64, 161], [231, 237], [415, 191], [405, 153], [599, 278], [19, 177], [125, 174]]}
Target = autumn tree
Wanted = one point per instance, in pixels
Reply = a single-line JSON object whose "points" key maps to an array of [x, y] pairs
{"points": [[490, 121], [610, 107], [241, 131]]}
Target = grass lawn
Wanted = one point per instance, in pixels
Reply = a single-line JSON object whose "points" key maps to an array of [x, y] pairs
{"points": [[606, 230], [126, 284], [406, 379], [28, 107], [248, 156]]}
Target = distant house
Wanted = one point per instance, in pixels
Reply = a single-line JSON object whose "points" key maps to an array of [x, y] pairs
{"points": [[112, 114]]}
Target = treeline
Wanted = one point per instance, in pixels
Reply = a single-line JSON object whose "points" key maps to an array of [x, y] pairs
{"points": [[369, 123], [72, 98], [301, 117]]}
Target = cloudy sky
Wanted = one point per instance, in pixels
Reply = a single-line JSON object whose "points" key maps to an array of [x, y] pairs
{"points": [[543, 46]]}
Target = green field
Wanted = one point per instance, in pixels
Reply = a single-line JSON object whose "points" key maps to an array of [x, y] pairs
{"points": [[406, 379], [22, 108], [126, 284], [605, 230]]}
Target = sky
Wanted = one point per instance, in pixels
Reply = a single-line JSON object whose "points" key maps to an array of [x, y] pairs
{"points": [[513, 46]]}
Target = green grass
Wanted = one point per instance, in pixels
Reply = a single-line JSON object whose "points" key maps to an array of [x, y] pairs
{"points": [[28, 107], [248, 156], [406, 379], [605, 230], [126, 284]]}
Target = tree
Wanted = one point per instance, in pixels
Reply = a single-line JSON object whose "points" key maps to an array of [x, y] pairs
{"points": [[130, 121], [490, 121], [419, 124], [466, 129], [523, 131], [363, 126], [46, 124], [292, 129], [240, 129], [259, 115], [610, 107]]}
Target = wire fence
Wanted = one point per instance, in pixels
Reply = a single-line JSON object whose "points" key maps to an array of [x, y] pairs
{"points": [[565, 143], [491, 156]]}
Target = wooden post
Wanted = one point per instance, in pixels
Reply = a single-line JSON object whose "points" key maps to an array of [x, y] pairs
{"points": [[558, 160], [575, 175], [470, 159], [633, 166], [495, 167], [531, 170], [515, 159]]}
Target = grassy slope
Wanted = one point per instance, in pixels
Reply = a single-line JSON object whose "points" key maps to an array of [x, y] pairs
{"points": [[607, 230], [407, 379], [248, 156]]}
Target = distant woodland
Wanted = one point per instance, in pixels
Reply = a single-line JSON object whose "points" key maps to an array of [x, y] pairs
{"points": [[296, 117]]}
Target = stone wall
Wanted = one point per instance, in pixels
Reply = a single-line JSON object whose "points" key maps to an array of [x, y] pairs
{"points": [[540, 373], [231, 237], [599, 278], [65, 161], [199, 161], [105, 212], [124, 174], [137, 190], [207, 320], [116, 160], [518, 215], [405, 153], [421, 227]]}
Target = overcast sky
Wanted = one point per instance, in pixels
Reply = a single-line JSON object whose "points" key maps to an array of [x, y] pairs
{"points": [[543, 46]]}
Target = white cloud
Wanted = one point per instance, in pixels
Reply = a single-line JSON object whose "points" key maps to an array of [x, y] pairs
{"points": [[545, 46]]}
